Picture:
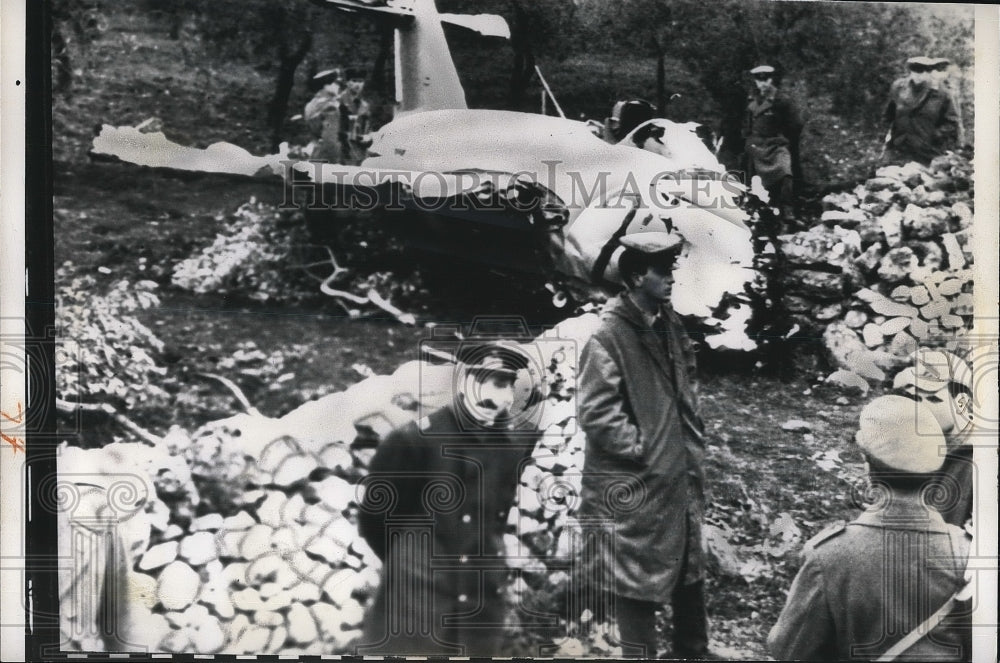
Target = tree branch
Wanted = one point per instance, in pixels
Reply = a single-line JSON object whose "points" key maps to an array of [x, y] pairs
{"points": [[109, 411]]}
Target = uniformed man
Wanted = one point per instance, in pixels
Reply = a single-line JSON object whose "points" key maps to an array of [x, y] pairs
{"points": [[643, 478], [771, 130], [876, 586], [435, 504], [343, 113], [942, 382], [923, 120]]}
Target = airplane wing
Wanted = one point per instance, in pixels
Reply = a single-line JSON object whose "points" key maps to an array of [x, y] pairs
{"points": [[154, 150]]}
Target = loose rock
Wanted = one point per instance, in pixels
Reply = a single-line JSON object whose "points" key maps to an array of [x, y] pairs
{"points": [[159, 555], [872, 335], [847, 351], [894, 326], [177, 586], [269, 512], [898, 264], [253, 640], [199, 548], [295, 469], [241, 521], [855, 319], [276, 645], [796, 426], [301, 626], [208, 636], [848, 381], [209, 522], [256, 542], [142, 589], [248, 600]]}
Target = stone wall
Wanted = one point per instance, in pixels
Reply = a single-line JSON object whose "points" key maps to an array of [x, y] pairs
{"points": [[887, 269]]}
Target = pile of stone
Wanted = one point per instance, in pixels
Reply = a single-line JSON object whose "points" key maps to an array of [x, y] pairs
{"points": [[888, 268], [288, 573]]}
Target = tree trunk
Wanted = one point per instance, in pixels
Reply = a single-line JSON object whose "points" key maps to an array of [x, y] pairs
{"points": [[283, 85], [661, 82], [378, 68], [521, 73], [524, 57], [61, 60]]}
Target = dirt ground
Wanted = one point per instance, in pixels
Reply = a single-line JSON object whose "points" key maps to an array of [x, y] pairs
{"points": [[138, 224]]}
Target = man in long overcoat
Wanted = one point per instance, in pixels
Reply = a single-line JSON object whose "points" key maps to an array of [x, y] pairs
{"points": [[435, 504], [772, 128], [643, 478], [923, 120], [874, 589]]}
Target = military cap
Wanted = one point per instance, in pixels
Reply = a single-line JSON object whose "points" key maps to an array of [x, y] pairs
{"points": [[489, 357], [327, 76], [921, 63], [902, 434], [933, 371], [652, 242], [762, 71]]}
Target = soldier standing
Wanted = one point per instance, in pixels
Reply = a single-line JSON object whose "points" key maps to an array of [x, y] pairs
{"points": [[892, 582], [771, 130], [923, 120]]}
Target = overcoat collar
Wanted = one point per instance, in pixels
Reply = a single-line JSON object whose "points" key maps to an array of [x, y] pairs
{"points": [[625, 308], [760, 103], [917, 94], [903, 512]]}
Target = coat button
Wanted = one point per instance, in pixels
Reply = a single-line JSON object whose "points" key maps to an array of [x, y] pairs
{"points": [[462, 598], [466, 518]]}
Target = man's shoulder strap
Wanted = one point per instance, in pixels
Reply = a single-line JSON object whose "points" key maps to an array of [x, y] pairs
{"points": [[825, 534], [961, 540]]}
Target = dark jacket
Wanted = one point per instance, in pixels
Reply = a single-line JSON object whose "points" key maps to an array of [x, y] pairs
{"points": [[955, 477], [924, 122], [772, 127], [863, 586], [643, 468], [436, 501]]}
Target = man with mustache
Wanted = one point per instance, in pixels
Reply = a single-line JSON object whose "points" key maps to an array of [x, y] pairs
{"points": [[434, 509]]}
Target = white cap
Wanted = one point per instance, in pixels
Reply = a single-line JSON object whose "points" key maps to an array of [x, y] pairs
{"points": [[902, 434], [654, 241]]}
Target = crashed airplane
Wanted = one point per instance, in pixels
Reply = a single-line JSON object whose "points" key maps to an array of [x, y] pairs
{"points": [[521, 190]]}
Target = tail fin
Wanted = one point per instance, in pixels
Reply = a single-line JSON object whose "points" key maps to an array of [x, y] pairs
{"points": [[426, 78]]}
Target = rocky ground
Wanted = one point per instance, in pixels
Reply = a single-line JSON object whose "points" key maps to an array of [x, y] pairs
{"points": [[212, 568]]}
